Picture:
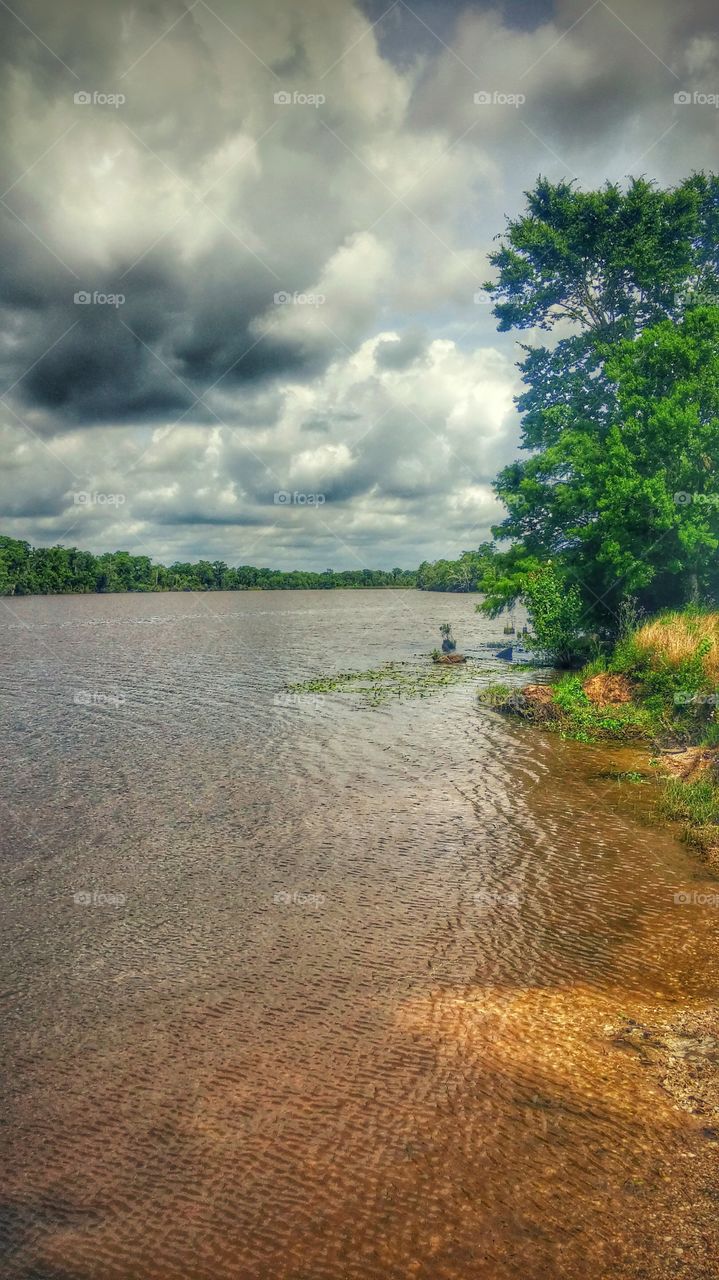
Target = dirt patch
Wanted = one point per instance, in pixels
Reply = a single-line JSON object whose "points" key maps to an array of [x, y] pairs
{"points": [[535, 702], [691, 763], [605, 690]]}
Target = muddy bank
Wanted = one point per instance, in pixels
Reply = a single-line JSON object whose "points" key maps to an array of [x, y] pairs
{"points": [[609, 708], [539, 703]]}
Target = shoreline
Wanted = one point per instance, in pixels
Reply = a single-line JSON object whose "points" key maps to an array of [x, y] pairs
{"points": [[673, 1042], [612, 713]]}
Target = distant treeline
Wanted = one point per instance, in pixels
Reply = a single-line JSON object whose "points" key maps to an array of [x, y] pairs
{"points": [[26, 570], [457, 575]]}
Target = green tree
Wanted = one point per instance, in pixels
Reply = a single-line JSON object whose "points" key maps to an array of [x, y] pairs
{"points": [[14, 560], [606, 269], [460, 575], [25, 570]]}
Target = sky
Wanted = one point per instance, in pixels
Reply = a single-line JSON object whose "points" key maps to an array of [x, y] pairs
{"points": [[244, 245]]}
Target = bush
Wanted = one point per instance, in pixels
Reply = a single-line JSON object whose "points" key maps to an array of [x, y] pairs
{"points": [[555, 612]]}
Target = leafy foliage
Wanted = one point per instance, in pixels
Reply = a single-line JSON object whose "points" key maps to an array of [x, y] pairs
{"points": [[555, 612], [26, 570], [621, 411], [462, 575], [696, 805]]}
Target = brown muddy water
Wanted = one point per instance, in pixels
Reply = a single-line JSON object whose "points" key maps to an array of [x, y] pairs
{"points": [[302, 989]]}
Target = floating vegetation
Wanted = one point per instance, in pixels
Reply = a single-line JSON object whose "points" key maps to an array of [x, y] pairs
{"points": [[624, 775], [411, 679]]}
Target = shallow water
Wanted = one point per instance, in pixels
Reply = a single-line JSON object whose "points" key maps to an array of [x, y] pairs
{"points": [[333, 1000]]}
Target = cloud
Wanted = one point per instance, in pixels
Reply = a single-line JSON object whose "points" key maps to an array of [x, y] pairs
{"points": [[402, 452], [296, 209]]}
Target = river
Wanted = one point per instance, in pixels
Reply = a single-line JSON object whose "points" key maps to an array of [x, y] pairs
{"points": [[297, 988]]}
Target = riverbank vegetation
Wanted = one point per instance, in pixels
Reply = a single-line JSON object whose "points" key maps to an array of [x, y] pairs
{"points": [[26, 570], [658, 686], [620, 409]]}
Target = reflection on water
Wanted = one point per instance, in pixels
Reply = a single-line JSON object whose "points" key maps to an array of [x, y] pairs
{"points": [[307, 990]]}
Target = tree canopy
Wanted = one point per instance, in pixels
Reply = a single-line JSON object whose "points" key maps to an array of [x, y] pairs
{"points": [[620, 411], [463, 574], [26, 570]]}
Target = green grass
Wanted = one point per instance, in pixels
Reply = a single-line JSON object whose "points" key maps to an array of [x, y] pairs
{"points": [[672, 660], [696, 806], [695, 802], [581, 720], [497, 694]]}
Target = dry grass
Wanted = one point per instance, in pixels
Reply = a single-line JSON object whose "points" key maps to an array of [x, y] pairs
{"points": [[673, 638]]}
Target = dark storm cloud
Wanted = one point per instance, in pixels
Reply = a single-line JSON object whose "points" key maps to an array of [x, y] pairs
{"points": [[191, 517], [27, 506], [407, 30], [402, 352], [129, 358], [204, 310], [270, 225]]}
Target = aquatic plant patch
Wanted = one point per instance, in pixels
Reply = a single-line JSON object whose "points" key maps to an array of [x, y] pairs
{"points": [[408, 679]]}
